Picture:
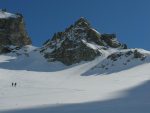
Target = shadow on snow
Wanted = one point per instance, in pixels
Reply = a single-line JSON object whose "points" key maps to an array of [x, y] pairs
{"points": [[135, 100]]}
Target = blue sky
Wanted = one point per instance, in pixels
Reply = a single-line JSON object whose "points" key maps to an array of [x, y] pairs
{"points": [[129, 19]]}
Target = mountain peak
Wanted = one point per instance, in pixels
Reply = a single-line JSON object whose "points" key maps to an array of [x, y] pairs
{"points": [[83, 22], [79, 42]]}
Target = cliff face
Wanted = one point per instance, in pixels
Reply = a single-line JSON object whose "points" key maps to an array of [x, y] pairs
{"points": [[79, 42], [12, 31]]}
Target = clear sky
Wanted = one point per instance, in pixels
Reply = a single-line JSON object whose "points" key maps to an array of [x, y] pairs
{"points": [[129, 19]]}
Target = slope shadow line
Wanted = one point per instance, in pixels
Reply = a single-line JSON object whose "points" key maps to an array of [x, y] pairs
{"points": [[136, 100]]}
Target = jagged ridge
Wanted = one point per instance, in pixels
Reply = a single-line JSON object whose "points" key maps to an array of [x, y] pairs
{"points": [[79, 42]]}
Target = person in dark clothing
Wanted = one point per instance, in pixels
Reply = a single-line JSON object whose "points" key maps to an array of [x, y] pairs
{"points": [[15, 84], [12, 84]]}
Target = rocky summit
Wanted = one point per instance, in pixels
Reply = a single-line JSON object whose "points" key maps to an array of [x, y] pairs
{"points": [[79, 42], [12, 31]]}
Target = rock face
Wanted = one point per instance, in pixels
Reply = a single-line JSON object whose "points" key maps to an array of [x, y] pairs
{"points": [[134, 54], [12, 31], [79, 42]]}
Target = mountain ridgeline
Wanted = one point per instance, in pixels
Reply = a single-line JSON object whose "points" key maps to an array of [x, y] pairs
{"points": [[79, 42]]}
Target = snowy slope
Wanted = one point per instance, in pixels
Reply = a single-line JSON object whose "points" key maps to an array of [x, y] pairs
{"points": [[55, 88], [4, 14]]}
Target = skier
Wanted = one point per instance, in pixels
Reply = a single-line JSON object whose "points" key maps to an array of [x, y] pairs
{"points": [[15, 84], [12, 84]]}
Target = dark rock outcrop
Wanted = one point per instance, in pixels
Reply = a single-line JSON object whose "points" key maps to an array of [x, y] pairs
{"points": [[111, 41], [139, 55], [12, 31], [115, 56], [70, 53], [134, 54]]}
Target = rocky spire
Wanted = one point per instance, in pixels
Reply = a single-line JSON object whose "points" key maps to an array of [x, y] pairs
{"points": [[12, 31]]}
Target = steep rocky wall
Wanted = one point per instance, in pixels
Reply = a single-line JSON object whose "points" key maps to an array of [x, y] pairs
{"points": [[13, 32]]}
